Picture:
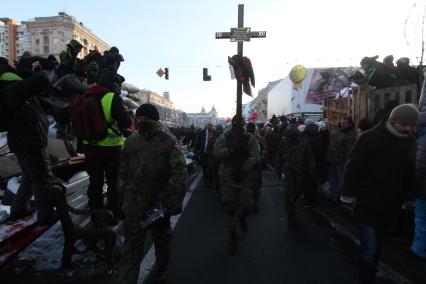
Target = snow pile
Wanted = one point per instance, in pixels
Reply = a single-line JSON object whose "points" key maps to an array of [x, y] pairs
{"points": [[46, 252]]}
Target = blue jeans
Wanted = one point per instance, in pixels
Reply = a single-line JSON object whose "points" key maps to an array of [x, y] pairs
{"points": [[335, 174], [419, 241], [369, 253]]}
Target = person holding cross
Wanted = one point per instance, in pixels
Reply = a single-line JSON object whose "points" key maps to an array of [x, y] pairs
{"points": [[238, 157]]}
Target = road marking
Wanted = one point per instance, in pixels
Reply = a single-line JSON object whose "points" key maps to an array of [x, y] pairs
{"points": [[149, 259]]}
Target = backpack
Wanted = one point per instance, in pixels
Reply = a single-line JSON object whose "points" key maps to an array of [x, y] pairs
{"points": [[88, 118]]}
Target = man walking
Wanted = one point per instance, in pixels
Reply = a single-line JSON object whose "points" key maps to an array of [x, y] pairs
{"points": [[152, 183], [238, 159], [380, 174]]}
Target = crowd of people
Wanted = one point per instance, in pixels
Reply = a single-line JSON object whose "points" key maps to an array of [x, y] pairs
{"points": [[144, 173], [373, 168]]}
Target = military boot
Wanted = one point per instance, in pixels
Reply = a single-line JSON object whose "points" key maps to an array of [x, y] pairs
{"points": [[233, 242], [157, 275], [243, 224], [291, 218]]}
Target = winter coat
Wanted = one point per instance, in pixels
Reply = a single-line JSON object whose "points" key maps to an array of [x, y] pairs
{"points": [[152, 171], [340, 146], [421, 163], [380, 173], [28, 123], [295, 158], [236, 167], [319, 150]]}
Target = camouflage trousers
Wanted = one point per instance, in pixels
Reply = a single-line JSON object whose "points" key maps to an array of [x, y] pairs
{"points": [[236, 195], [133, 248], [256, 183], [293, 190]]}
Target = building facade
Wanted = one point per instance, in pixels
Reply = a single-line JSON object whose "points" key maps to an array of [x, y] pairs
{"points": [[50, 35], [260, 103], [14, 39], [201, 119]]}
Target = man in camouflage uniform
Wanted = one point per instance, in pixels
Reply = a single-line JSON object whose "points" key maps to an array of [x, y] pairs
{"points": [[237, 160], [339, 148], [295, 160], [212, 161], [257, 172], [152, 176]]}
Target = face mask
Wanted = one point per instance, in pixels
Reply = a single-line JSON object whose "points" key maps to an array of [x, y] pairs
{"points": [[145, 126]]}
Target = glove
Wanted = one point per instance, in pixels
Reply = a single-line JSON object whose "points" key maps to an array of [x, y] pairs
{"points": [[237, 176]]}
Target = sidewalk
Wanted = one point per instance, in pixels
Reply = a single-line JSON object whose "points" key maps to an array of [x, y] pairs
{"points": [[397, 263]]}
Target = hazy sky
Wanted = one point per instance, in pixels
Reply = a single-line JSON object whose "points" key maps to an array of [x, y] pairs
{"points": [[180, 35]]}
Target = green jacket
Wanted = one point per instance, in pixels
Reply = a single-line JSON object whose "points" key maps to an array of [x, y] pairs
{"points": [[295, 158], [152, 171]]}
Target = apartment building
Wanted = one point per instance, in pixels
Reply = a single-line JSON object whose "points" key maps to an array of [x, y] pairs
{"points": [[14, 39], [50, 35]]}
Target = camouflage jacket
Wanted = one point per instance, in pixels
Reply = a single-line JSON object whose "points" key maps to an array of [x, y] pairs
{"points": [[295, 157], [246, 160], [340, 146], [152, 171]]}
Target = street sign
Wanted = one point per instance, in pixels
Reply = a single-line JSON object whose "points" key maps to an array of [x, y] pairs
{"points": [[160, 72], [240, 34], [223, 35], [258, 34]]}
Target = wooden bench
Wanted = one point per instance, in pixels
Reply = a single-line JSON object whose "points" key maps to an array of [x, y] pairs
{"points": [[15, 236]]}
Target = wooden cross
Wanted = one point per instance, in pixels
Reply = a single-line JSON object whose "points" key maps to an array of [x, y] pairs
{"points": [[240, 34]]}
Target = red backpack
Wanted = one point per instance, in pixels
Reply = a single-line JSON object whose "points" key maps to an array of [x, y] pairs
{"points": [[88, 117]]}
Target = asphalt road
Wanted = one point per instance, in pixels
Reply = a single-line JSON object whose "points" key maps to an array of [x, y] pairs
{"points": [[271, 252]]}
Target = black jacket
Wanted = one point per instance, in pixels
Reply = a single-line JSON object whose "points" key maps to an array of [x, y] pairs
{"points": [[27, 113], [421, 166], [380, 174]]}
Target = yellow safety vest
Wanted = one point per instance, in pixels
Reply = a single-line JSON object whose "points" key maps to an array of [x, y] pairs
{"points": [[113, 139]]}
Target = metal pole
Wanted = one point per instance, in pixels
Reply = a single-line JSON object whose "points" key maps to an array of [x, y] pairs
{"points": [[239, 85]]}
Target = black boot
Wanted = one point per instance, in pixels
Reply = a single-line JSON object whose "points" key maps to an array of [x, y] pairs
{"points": [[157, 275], [233, 242], [243, 225], [291, 218]]}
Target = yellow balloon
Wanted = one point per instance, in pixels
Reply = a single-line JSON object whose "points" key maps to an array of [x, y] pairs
{"points": [[298, 73]]}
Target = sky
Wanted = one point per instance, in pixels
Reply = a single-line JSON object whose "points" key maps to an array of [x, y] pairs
{"points": [[180, 35]]}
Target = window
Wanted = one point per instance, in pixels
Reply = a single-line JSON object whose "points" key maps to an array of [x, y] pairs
{"points": [[408, 97], [37, 41], [386, 98], [45, 49], [376, 103], [46, 39]]}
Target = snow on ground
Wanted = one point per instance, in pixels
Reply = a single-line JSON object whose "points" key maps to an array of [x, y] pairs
{"points": [[46, 252]]}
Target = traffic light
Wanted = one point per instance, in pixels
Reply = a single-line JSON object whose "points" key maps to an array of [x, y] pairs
{"points": [[166, 73], [206, 76]]}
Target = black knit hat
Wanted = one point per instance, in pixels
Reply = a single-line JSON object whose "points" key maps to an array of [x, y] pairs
{"points": [[148, 111]]}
